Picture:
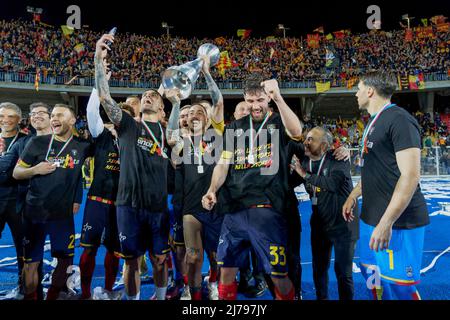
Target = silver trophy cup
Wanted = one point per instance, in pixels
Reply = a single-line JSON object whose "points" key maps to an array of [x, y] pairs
{"points": [[184, 77]]}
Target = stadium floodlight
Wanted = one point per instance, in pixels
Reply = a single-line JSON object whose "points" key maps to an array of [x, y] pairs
{"points": [[282, 27], [167, 27], [34, 10], [407, 18]]}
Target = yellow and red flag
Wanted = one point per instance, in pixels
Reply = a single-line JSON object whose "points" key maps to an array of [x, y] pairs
{"points": [[313, 41], [37, 79], [319, 30], [244, 33]]}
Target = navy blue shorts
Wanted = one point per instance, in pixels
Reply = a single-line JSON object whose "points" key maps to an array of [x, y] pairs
{"points": [[177, 226], [62, 239], [141, 230], [211, 227], [100, 226], [264, 229]]}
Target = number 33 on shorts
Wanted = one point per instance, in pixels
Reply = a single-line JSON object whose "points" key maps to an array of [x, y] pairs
{"points": [[277, 255]]}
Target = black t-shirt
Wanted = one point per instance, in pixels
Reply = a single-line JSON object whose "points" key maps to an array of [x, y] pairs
{"points": [[170, 180], [106, 167], [8, 188], [395, 130], [143, 168], [10, 140], [333, 186], [196, 176], [51, 197], [265, 182], [177, 198]]}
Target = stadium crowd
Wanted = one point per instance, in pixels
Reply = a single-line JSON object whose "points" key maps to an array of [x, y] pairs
{"points": [[25, 46]]}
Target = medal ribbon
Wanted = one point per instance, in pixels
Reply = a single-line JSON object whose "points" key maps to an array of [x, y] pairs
{"points": [[62, 149], [12, 142], [200, 150], [253, 139], [318, 171], [364, 148], [160, 145]]}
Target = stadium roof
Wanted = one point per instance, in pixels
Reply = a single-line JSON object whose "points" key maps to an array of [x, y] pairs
{"points": [[215, 18]]}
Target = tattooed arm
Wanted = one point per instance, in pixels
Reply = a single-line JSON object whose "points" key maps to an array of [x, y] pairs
{"points": [[173, 127], [101, 81], [216, 95]]}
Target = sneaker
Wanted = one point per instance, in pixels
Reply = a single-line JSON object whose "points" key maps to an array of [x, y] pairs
{"points": [[186, 295], [213, 291], [153, 297], [257, 290], [14, 294], [174, 292], [103, 294]]}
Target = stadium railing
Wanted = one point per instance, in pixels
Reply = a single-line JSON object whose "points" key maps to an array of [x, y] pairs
{"points": [[434, 161], [29, 77]]}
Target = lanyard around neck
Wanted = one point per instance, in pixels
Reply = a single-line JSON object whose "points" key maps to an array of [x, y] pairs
{"points": [[320, 165], [318, 171], [200, 149], [161, 145], [369, 126], [12, 142], [62, 149], [253, 138]]}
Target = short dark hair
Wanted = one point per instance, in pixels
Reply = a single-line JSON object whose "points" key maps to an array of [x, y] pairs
{"points": [[127, 107], [252, 84], [40, 105], [133, 97], [187, 106], [382, 81], [62, 105]]}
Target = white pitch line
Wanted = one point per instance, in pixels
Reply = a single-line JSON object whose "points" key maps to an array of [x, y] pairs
{"points": [[440, 213], [434, 260]]}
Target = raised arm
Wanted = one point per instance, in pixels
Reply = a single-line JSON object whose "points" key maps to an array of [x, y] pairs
{"points": [[101, 81], [216, 95], [95, 122], [289, 118], [173, 133]]}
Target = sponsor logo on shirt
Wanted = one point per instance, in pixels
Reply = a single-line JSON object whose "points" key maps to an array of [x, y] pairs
{"points": [[86, 227], [149, 146], [67, 162], [409, 271]]}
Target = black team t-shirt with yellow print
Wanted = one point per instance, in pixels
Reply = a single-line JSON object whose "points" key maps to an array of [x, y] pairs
{"points": [[51, 197], [196, 177], [143, 166], [247, 185], [106, 167]]}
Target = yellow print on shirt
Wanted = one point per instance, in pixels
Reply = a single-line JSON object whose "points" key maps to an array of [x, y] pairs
{"points": [[112, 163], [262, 156]]}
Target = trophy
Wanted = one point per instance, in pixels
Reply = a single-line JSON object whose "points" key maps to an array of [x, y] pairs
{"points": [[183, 77]]}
